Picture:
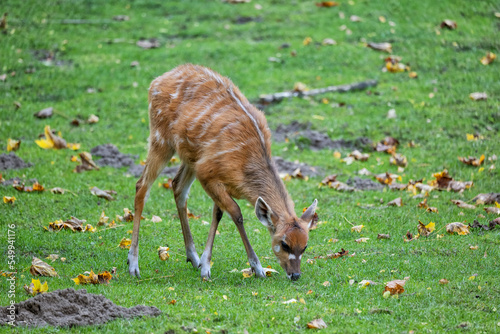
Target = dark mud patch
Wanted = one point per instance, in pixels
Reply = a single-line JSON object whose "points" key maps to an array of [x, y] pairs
{"points": [[364, 184], [69, 308], [302, 135], [289, 167], [110, 156], [12, 161]]}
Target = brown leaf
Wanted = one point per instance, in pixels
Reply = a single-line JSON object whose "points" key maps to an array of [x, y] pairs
{"points": [[443, 281], [449, 24], [362, 240], [462, 204], [13, 145], [490, 198], [57, 190], [384, 178], [488, 59], [386, 47], [423, 204], [385, 148], [432, 209], [44, 113], [327, 4], [383, 236], [317, 324], [396, 202], [40, 268], [102, 193], [101, 278], [398, 160], [425, 230], [150, 43], [397, 186], [342, 252], [458, 228], [472, 161], [341, 186], [327, 180], [87, 163], [492, 209], [359, 156], [167, 184], [443, 181], [395, 287]]}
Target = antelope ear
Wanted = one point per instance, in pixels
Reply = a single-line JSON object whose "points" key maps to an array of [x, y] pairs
{"points": [[308, 215], [264, 213]]}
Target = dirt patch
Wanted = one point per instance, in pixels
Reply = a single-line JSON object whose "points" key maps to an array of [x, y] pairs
{"points": [[69, 308], [12, 161], [16, 179], [110, 156], [302, 135], [289, 167], [136, 170], [364, 184]]}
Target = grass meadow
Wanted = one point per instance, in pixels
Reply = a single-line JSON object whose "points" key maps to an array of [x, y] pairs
{"points": [[73, 56]]}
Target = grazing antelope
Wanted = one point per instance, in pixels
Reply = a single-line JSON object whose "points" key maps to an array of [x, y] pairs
{"points": [[224, 142]]}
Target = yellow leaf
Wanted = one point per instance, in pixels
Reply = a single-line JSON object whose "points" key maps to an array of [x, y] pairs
{"points": [[7, 199], [430, 227], [125, 243], [73, 146], [357, 228], [458, 228], [317, 324], [13, 145], [307, 41], [470, 137], [36, 287], [163, 253], [336, 155], [44, 143]]}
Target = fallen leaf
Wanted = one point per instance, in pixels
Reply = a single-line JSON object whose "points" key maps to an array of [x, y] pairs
{"points": [[359, 156], [192, 216], [92, 119], [326, 283], [341, 186], [474, 247], [443, 181], [462, 204], [488, 59], [103, 219], [384, 178], [44, 113], [362, 240], [364, 283], [155, 219], [443, 281], [386, 47], [409, 237], [163, 253], [458, 228], [328, 41], [101, 278], [125, 243], [423, 204], [383, 236], [102, 193], [398, 160], [413, 75], [13, 145], [396, 202], [397, 186], [52, 257], [357, 228], [425, 230], [317, 324], [449, 24], [291, 301], [432, 209], [342, 252], [473, 161], [150, 43], [493, 209], [40, 268], [87, 163], [478, 96], [395, 287], [36, 287], [167, 184], [490, 198], [355, 18], [50, 140], [327, 4]]}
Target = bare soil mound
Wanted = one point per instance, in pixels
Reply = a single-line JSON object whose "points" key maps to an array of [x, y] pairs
{"points": [[364, 184], [301, 133], [69, 308], [12, 161], [289, 167], [111, 156]]}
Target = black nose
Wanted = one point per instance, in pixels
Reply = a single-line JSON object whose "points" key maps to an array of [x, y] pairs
{"points": [[295, 276]]}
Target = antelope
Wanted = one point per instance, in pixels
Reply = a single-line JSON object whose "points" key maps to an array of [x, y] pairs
{"points": [[225, 143]]}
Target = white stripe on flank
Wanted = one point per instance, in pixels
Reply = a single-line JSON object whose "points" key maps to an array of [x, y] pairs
{"points": [[249, 115], [209, 157], [159, 111], [208, 108], [211, 120]]}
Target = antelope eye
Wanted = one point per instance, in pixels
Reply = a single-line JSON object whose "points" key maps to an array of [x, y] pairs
{"points": [[285, 247]]}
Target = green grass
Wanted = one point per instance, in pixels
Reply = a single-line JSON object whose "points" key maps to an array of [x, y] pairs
{"points": [[205, 32]]}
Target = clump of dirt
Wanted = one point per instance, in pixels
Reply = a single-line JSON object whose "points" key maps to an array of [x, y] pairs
{"points": [[301, 133], [69, 308], [289, 167], [136, 170], [12, 161], [16, 179], [112, 157], [364, 184]]}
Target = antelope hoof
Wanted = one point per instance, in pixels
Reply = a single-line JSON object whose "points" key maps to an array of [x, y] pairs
{"points": [[193, 258], [205, 272], [133, 266], [259, 272]]}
